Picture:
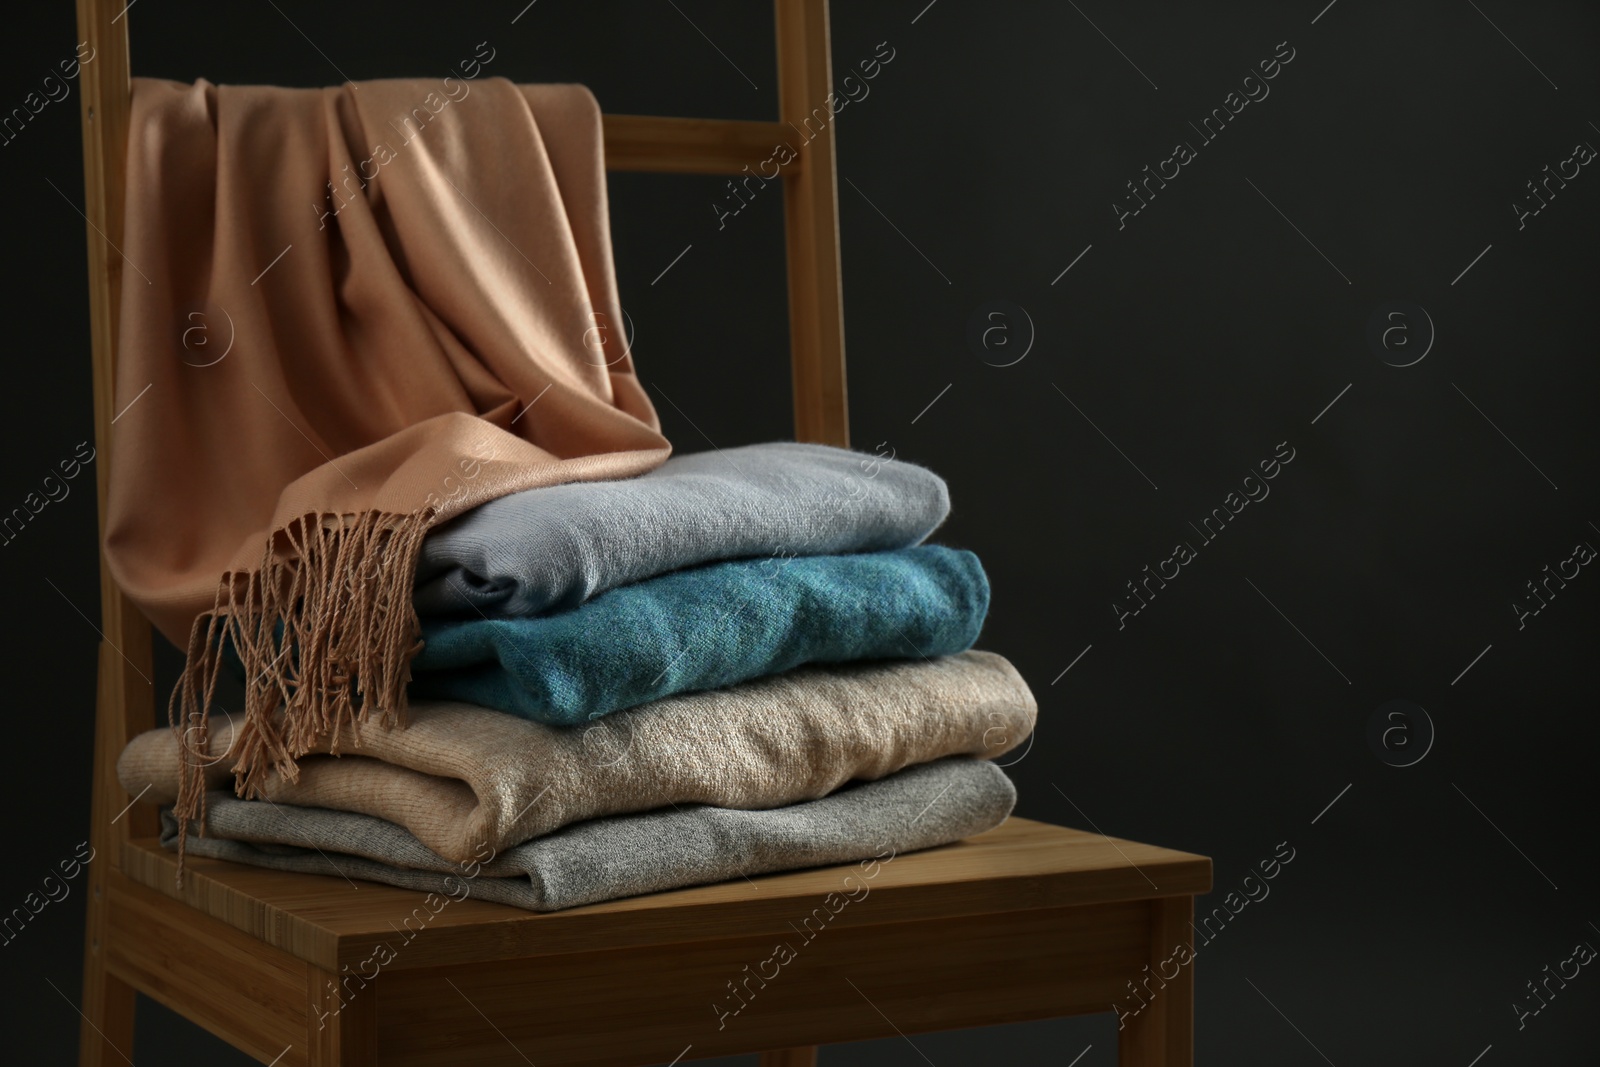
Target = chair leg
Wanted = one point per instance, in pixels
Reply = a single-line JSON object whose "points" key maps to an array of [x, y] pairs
{"points": [[341, 1028], [1161, 1034], [790, 1057], [105, 1036]]}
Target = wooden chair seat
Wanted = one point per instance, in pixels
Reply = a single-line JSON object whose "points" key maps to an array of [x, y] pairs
{"points": [[1027, 921]]}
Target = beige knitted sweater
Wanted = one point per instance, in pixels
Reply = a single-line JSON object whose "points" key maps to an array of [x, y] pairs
{"points": [[460, 776]]}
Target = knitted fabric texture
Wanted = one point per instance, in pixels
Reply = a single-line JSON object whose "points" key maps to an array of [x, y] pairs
{"points": [[932, 804], [708, 627], [459, 776], [551, 549]]}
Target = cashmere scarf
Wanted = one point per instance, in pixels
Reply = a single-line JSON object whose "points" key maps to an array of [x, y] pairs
{"points": [[459, 775], [921, 807], [552, 549], [348, 314], [707, 627]]}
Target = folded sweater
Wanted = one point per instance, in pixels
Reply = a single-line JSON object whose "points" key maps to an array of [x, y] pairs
{"points": [[707, 627], [625, 855], [458, 775], [552, 548]]}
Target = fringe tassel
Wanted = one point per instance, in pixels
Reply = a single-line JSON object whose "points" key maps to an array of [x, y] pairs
{"points": [[339, 586]]}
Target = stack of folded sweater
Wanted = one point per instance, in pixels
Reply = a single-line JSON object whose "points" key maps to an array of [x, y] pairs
{"points": [[744, 661]]}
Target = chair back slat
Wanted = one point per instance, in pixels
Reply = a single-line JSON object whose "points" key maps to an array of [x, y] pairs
{"points": [[811, 218], [125, 698], [691, 146]]}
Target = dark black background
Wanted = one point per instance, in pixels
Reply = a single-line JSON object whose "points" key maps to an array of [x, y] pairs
{"points": [[985, 159]]}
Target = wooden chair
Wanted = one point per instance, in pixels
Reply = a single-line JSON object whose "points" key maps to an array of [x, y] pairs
{"points": [[1028, 921]]}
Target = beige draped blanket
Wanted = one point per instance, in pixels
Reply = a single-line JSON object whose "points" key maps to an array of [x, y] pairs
{"points": [[348, 314]]}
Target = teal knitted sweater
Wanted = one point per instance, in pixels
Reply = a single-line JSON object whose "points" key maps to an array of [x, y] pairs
{"points": [[708, 627]]}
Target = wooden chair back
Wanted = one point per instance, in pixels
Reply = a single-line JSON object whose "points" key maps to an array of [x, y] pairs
{"points": [[126, 700]]}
